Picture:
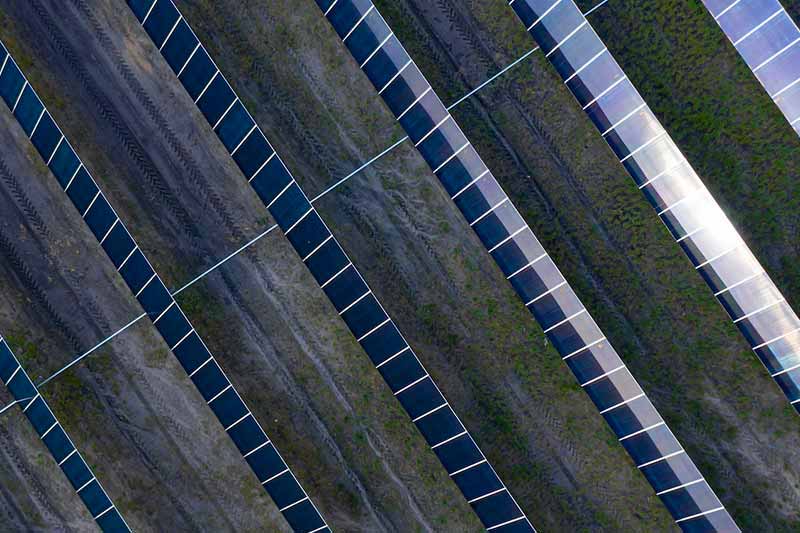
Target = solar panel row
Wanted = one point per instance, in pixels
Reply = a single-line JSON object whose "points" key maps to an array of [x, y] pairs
{"points": [[769, 41], [204, 371], [532, 273], [670, 184], [58, 442], [330, 266]]}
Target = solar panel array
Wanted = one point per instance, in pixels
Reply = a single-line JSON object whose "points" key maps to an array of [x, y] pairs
{"points": [[331, 268], [58, 442], [769, 42], [148, 288], [532, 273], [670, 184]]}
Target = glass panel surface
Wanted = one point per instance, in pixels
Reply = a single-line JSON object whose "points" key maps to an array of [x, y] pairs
{"points": [[781, 354], [770, 39], [745, 16], [781, 71]]}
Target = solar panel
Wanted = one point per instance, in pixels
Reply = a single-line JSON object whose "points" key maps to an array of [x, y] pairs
{"points": [[671, 185], [330, 266], [769, 42], [532, 273], [53, 435], [165, 313]]}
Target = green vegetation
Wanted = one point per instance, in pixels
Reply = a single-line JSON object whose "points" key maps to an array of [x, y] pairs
{"points": [[588, 214]]}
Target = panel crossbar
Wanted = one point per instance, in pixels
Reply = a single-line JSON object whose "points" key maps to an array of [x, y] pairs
{"points": [[520, 256], [61, 447], [329, 264], [671, 185], [148, 288]]}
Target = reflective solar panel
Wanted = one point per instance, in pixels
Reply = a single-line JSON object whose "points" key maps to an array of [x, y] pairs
{"points": [[769, 42], [53, 435], [337, 276], [510, 241], [670, 184], [153, 295]]}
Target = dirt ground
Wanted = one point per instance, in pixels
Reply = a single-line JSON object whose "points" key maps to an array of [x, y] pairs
{"points": [[144, 428]]}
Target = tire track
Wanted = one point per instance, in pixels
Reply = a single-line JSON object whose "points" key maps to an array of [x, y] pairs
{"points": [[39, 296], [105, 110], [33, 486], [190, 167]]}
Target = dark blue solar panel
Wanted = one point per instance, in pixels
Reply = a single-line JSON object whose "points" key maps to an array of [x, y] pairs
{"points": [[364, 316], [404, 90], [56, 439], [58, 443], [477, 481], [20, 386], [346, 13], [160, 21], [303, 517], [690, 500], [29, 109], [228, 407], [118, 244], [76, 470], [95, 498], [418, 121], [385, 64], [233, 128], [284, 490], [191, 353], [327, 261], [11, 82], [289, 207], [440, 144], [155, 298], [8, 363], [173, 326], [266, 462], [112, 522], [136, 271], [439, 426], [64, 164], [365, 38], [39, 415], [252, 154], [384, 343], [100, 217], [308, 234], [46, 136], [180, 46], [671, 472], [497, 509], [459, 453], [140, 7], [197, 73], [651, 445], [216, 99], [402, 371], [632, 417], [247, 435], [82, 190], [420, 399], [209, 380], [346, 289]]}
